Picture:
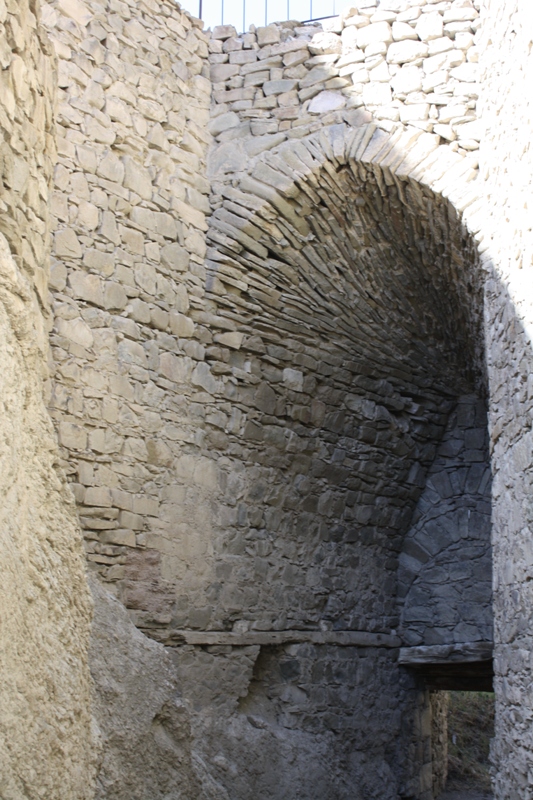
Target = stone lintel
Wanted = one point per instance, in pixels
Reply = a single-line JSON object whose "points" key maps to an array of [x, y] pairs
{"points": [[177, 638], [446, 653]]}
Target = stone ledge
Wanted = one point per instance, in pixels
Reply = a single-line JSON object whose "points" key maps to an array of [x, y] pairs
{"points": [[467, 652], [177, 638]]}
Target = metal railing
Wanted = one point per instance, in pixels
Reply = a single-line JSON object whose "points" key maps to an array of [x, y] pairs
{"points": [[243, 13]]}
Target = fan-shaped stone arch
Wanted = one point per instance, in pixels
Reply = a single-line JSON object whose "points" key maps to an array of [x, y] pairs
{"points": [[358, 284], [350, 279]]}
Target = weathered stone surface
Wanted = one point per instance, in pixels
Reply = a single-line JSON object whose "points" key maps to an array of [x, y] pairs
{"points": [[47, 747], [143, 725]]}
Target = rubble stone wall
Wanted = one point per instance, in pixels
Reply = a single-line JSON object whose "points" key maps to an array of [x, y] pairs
{"points": [[128, 282], [248, 419], [507, 172], [47, 748], [269, 389]]}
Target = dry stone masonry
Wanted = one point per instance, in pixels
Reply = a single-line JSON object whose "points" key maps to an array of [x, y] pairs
{"points": [[289, 340], [47, 747], [130, 203]]}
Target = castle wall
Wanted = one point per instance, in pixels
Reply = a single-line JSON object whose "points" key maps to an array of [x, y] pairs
{"points": [[507, 172], [47, 749]]}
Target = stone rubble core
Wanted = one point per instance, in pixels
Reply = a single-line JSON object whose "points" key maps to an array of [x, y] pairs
{"points": [[289, 382]]}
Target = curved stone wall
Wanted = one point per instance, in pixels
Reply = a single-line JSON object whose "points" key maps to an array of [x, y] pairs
{"points": [[356, 296], [47, 746]]}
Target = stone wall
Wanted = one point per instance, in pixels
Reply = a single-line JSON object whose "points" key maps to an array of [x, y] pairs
{"points": [[507, 172], [248, 427], [270, 393], [399, 64], [46, 745], [445, 573], [128, 276]]}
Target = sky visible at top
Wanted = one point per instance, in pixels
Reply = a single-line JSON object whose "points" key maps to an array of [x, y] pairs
{"points": [[243, 13]]}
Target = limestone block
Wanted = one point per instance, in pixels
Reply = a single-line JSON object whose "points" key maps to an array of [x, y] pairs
{"points": [[429, 26], [222, 72], [77, 331], [414, 111], [467, 73], [360, 74], [108, 228], [402, 31], [224, 122], [278, 87], [407, 79], [460, 14], [137, 178], [268, 35], [159, 318], [181, 325], [443, 61], [72, 436], [111, 168], [440, 45], [404, 52], [224, 32], [326, 101], [202, 377], [231, 339], [114, 296], [98, 496], [445, 131], [86, 287], [104, 263], [120, 536], [76, 10], [324, 43], [377, 32], [293, 379], [88, 215], [67, 245], [175, 257]]}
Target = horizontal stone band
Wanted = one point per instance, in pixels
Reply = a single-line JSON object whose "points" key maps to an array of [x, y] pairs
{"points": [[177, 638]]}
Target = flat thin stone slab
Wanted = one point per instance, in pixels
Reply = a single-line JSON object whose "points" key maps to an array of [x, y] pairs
{"points": [[176, 638], [445, 654]]}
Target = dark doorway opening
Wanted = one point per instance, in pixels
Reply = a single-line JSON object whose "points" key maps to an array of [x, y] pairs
{"points": [[470, 730]]}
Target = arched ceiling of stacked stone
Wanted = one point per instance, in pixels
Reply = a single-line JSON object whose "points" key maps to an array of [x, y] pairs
{"points": [[354, 290]]}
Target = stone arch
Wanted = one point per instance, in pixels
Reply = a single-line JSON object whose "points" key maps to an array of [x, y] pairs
{"points": [[287, 234], [343, 276]]}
